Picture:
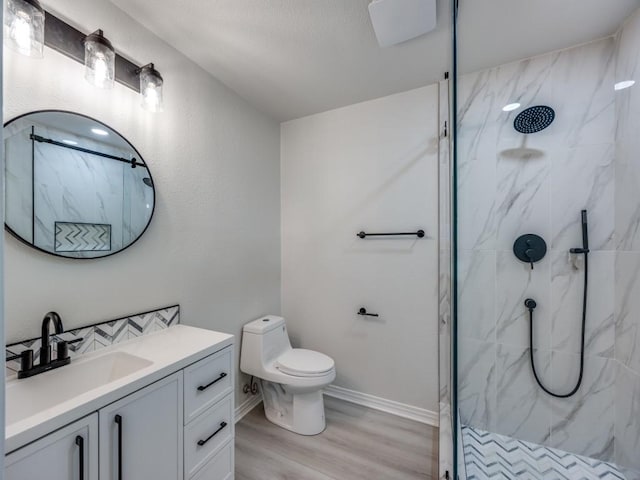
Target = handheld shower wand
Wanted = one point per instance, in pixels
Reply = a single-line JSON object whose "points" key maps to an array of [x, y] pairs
{"points": [[531, 305], [585, 236]]}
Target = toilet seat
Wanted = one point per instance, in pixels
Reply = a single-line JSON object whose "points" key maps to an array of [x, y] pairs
{"points": [[299, 362]]}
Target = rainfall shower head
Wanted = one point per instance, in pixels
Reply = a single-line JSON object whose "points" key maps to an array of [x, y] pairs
{"points": [[148, 182], [534, 119]]}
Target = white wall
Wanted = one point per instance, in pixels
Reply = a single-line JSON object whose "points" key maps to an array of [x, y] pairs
{"points": [[372, 166], [214, 242]]}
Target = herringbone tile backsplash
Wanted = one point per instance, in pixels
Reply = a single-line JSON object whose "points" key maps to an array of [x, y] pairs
{"points": [[101, 335]]}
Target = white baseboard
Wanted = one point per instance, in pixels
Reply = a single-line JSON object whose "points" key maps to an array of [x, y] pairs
{"points": [[421, 415], [245, 407]]}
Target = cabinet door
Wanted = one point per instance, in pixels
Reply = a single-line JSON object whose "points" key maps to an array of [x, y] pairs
{"points": [[141, 435], [70, 453]]}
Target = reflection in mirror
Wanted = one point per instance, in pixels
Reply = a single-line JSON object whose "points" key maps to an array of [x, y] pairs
{"points": [[74, 187]]}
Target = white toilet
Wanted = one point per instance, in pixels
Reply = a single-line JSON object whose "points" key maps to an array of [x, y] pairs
{"points": [[291, 379]]}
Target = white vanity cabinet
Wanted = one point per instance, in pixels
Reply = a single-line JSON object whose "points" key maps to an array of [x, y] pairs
{"points": [[71, 453], [209, 418], [180, 427], [141, 435]]}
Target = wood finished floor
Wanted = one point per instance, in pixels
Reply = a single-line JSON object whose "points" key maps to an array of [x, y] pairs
{"points": [[359, 443]]}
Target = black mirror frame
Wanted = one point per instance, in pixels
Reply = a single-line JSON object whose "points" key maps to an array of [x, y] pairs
{"points": [[142, 162]]}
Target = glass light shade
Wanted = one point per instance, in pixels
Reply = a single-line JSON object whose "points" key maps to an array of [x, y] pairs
{"points": [[151, 88], [99, 61], [24, 27]]}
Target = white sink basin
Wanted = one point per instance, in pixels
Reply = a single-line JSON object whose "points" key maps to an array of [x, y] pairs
{"points": [[33, 395]]}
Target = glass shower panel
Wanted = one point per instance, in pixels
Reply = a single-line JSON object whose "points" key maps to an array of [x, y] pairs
{"points": [[543, 136]]}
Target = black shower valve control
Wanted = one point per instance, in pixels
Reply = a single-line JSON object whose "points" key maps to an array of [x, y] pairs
{"points": [[530, 248]]}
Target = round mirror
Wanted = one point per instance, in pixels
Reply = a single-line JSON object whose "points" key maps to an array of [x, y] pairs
{"points": [[74, 187]]}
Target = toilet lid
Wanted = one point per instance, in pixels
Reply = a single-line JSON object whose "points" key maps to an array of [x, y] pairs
{"points": [[304, 363]]}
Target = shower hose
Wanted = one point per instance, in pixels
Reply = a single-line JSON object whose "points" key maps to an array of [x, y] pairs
{"points": [[531, 305]]}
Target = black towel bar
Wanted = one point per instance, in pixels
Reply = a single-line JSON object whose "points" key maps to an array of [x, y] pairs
{"points": [[419, 234]]}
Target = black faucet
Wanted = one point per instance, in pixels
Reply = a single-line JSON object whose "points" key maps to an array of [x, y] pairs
{"points": [[45, 348], [27, 368]]}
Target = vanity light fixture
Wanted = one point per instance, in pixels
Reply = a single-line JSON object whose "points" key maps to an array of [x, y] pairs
{"points": [[28, 27], [151, 88], [99, 60], [24, 27]]}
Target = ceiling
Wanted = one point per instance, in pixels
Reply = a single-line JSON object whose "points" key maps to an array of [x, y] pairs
{"points": [[292, 58], [494, 32]]}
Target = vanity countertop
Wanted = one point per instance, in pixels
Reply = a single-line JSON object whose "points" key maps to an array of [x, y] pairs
{"points": [[41, 404]]}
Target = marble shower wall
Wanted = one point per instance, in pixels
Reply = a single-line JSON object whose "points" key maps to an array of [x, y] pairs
{"points": [[511, 184], [627, 223]]}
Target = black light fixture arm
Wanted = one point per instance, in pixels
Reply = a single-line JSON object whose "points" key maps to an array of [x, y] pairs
{"points": [[98, 37], [151, 67]]}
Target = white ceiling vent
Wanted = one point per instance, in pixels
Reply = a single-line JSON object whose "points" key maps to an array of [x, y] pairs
{"points": [[396, 21]]}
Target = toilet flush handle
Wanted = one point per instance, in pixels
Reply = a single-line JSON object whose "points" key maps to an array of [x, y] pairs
{"points": [[364, 313]]}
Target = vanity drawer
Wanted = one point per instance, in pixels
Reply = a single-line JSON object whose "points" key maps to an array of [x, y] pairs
{"points": [[206, 382], [219, 467], [205, 435]]}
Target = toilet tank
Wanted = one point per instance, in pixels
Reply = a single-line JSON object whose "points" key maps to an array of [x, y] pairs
{"points": [[263, 340]]}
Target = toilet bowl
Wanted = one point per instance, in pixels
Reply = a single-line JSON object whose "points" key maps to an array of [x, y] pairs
{"points": [[291, 379]]}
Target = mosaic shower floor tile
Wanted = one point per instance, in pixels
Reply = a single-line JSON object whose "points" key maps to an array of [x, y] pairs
{"points": [[491, 456]]}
